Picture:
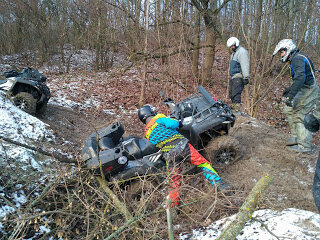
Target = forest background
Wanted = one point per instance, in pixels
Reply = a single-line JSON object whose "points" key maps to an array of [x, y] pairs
{"points": [[171, 30]]}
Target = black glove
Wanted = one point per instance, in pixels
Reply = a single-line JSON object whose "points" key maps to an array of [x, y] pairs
{"points": [[285, 92], [288, 102], [168, 100], [181, 123], [245, 81]]}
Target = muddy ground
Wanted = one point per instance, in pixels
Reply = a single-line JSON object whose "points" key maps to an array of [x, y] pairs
{"points": [[263, 148]]}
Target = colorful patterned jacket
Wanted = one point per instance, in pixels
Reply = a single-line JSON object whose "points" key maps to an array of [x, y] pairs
{"points": [[162, 132]]}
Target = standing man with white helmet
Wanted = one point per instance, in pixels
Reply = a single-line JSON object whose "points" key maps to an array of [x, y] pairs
{"points": [[301, 96], [239, 72]]}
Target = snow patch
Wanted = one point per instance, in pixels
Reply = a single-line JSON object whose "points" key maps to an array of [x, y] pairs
{"points": [[18, 126], [289, 224]]}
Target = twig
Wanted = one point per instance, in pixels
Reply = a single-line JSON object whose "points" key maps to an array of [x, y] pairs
{"points": [[10, 204], [123, 209], [44, 192], [122, 228], [265, 226], [169, 219], [59, 157]]}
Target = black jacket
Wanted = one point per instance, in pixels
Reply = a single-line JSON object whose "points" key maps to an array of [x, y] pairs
{"points": [[302, 72]]}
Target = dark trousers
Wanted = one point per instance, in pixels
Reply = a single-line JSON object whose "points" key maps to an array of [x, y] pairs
{"points": [[316, 185], [235, 89]]}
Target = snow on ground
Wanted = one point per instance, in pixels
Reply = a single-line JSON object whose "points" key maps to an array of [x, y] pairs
{"points": [[270, 225], [20, 126], [19, 164]]}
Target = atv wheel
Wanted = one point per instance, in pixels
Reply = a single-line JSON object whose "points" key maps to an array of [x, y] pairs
{"points": [[25, 102], [223, 150]]}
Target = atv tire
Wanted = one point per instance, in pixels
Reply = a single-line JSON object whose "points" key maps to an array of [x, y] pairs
{"points": [[223, 150], [25, 102]]}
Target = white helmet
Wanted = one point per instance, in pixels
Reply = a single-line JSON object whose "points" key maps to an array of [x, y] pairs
{"points": [[288, 45], [233, 41]]}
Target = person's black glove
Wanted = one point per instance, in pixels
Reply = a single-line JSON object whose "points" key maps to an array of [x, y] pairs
{"points": [[181, 123], [288, 102], [285, 92], [168, 100], [245, 81]]}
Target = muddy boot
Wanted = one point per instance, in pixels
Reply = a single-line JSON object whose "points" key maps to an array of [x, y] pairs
{"points": [[292, 141], [300, 149], [236, 107], [223, 186]]}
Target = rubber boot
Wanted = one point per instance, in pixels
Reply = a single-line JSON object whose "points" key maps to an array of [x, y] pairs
{"points": [[292, 141], [300, 149], [236, 107], [304, 137]]}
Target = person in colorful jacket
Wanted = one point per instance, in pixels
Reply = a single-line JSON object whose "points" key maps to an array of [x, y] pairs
{"points": [[162, 132], [301, 96], [238, 70]]}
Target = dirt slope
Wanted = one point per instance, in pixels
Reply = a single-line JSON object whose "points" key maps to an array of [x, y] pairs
{"points": [[265, 152], [71, 127]]}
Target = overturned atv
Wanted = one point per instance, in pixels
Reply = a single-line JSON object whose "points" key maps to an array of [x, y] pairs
{"points": [[206, 123], [28, 89]]}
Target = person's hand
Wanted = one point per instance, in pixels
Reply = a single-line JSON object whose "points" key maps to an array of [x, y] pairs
{"points": [[181, 123], [168, 100], [288, 102], [285, 92], [245, 81]]}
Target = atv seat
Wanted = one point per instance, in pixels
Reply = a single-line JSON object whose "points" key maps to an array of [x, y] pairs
{"points": [[106, 143], [136, 148]]}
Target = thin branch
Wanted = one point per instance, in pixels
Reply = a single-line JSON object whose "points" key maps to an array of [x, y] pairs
{"points": [[265, 226], [222, 6], [59, 157]]}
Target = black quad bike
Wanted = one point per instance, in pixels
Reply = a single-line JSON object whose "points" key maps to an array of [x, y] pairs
{"points": [[28, 89], [206, 122]]}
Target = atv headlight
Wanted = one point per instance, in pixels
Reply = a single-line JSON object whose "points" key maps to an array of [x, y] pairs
{"points": [[122, 160]]}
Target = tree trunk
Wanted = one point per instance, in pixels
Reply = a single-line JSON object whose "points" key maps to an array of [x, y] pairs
{"points": [[145, 64], [195, 54], [210, 54]]}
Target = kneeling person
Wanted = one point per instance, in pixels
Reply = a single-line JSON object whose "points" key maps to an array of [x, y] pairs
{"points": [[162, 132]]}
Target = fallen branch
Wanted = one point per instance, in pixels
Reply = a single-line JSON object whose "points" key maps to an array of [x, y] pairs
{"points": [[266, 227], [115, 199], [122, 208], [246, 210], [59, 157], [169, 219]]}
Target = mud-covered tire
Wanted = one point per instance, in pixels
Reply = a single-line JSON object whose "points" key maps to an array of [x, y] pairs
{"points": [[25, 102], [223, 150]]}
